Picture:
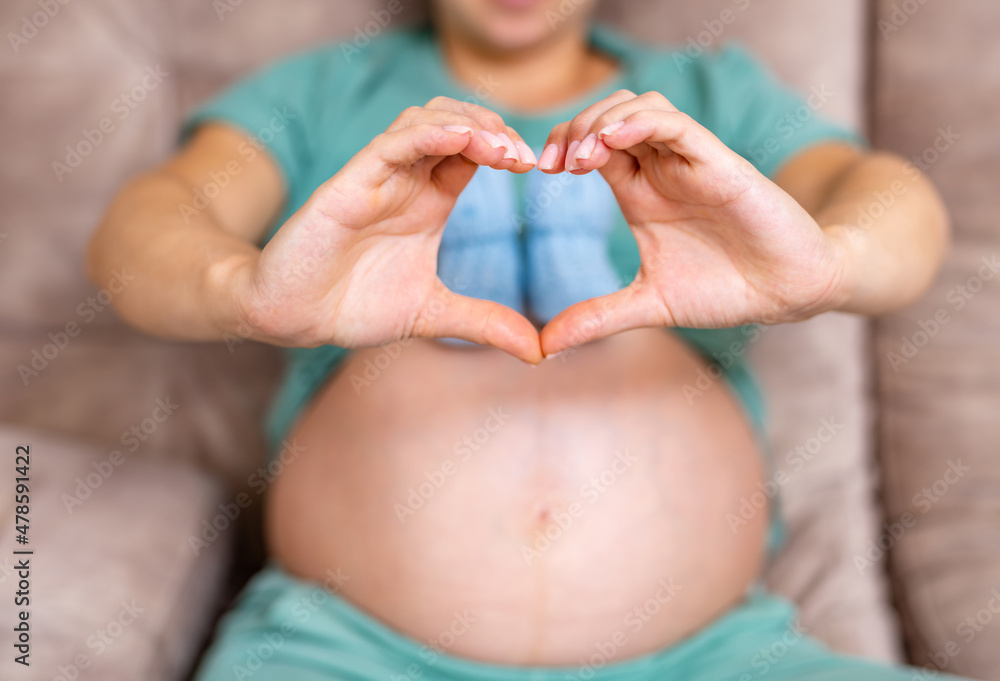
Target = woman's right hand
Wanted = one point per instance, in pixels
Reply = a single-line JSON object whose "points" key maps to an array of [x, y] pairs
{"points": [[356, 266]]}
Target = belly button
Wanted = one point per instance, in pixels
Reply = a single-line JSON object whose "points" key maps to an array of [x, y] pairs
{"points": [[545, 516], [541, 520]]}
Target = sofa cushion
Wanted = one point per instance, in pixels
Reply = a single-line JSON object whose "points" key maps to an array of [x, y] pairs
{"points": [[118, 589]]}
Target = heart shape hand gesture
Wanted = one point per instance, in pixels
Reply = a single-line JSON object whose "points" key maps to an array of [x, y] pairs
{"points": [[721, 245]]}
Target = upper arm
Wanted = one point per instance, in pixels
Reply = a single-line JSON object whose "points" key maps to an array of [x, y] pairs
{"points": [[230, 178]]}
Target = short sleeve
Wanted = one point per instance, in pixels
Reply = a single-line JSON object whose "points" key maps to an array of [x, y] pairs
{"points": [[279, 107], [759, 118]]}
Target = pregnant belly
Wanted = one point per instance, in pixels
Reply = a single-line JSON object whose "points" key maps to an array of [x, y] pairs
{"points": [[520, 515]]}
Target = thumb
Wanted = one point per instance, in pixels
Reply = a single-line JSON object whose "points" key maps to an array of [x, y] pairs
{"points": [[620, 166], [454, 173], [447, 314], [632, 307]]}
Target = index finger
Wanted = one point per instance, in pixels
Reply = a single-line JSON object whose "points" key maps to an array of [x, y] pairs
{"points": [[518, 157], [566, 138]]}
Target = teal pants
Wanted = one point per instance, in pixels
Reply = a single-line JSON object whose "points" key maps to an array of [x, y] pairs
{"points": [[285, 629]]}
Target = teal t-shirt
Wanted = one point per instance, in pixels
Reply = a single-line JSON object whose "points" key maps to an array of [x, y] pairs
{"points": [[316, 110]]}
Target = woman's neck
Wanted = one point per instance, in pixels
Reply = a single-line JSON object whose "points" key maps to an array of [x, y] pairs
{"points": [[531, 80]]}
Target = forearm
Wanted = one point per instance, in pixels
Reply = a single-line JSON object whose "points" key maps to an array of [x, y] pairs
{"points": [[890, 222], [182, 266]]}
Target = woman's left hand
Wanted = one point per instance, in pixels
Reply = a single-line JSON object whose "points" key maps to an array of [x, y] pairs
{"points": [[721, 245]]}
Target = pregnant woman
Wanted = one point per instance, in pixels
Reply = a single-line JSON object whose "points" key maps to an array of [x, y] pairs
{"points": [[507, 253]]}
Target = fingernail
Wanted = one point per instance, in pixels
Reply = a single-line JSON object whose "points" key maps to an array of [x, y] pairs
{"points": [[525, 152], [509, 144], [587, 147], [549, 156], [554, 355], [571, 156], [609, 129], [460, 129], [492, 139]]}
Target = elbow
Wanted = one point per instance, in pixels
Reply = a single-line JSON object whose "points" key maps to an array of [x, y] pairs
{"points": [[109, 244], [930, 224], [108, 248], [902, 249]]}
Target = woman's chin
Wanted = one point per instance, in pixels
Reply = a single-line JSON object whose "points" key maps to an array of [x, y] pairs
{"points": [[513, 35], [519, 4], [514, 25]]}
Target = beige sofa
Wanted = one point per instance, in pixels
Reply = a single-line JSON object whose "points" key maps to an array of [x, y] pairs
{"points": [[139, 446]]}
